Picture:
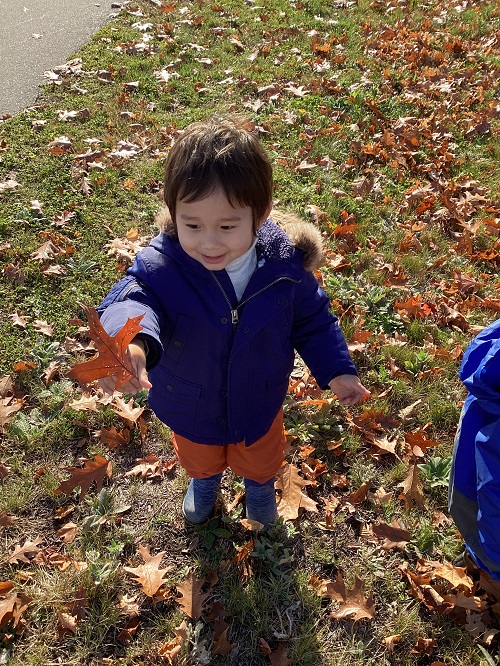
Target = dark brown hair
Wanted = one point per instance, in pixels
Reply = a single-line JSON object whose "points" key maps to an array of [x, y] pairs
{"points": [[219, 152]]}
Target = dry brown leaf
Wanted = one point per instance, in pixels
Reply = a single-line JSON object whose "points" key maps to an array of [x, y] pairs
{"points": [[149, 575], [6, 519], [12, 604], [9, 406], [412, 491], [390, 642], [424, 646], [251, 525], [222, 645], [83, 477], [354, 604], [113, 438], [25, 552], [192, 599], [126, 410], [128, 605], [147, 468], [457, 576], [292, 498], [129, 630], [393, 536], [280, 656], [67, 533], [84, 403]]}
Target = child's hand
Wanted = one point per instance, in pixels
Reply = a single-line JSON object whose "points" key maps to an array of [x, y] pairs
{"points": [[348, 389], [137, 355]]}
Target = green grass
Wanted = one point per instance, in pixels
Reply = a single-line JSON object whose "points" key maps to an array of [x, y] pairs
{"points": [[361, 93]]}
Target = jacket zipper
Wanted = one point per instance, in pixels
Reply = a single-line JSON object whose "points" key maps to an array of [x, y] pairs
{"points": [[234, 311]]}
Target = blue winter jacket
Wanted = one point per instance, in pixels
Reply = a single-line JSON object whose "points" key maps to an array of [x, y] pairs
{"points": [[219, 368], [474, 493]]}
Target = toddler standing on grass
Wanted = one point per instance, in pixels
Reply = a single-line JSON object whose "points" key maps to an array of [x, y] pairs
{"points": [[227, 298]]}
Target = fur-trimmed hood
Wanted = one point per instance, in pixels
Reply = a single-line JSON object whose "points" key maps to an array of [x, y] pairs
{"points": [[303, 235]]}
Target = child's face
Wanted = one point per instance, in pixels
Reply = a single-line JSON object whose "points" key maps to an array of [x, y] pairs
{"points": [[212, 231]]}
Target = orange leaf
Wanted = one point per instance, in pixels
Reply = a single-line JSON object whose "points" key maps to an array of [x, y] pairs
{"points": [[93, 470], [112, 359], [113, 438]]}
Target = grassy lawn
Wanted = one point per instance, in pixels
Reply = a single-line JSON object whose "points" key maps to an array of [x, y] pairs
{"points": [[382, 122]]}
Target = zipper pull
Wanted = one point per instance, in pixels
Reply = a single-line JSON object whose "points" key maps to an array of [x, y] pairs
{"points": [[234, 317]]}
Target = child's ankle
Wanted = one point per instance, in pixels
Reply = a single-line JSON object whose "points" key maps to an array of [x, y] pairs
{"points": [[199, 501]]}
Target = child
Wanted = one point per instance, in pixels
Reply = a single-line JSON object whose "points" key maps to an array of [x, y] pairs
{"points": [[474, 493], [226, 300]]}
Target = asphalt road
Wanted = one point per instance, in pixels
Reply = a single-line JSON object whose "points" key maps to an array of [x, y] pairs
{"points": [[36, 35]]}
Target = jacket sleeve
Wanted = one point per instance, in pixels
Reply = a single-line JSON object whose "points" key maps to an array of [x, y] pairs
{"points": [[488, 491], [316, 334], [130, 297]]}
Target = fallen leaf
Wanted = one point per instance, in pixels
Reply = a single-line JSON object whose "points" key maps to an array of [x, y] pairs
{"points": [[7, 519], [9, 406], [192, 599], [12, 604], [147, 468], [93, 470], [354, 604], [393, 536], [292, 498], [412, 491], [67, 533], [424, 646], [25, 552], [149, 575], [390, 642], [280, 656], [113, 438]]}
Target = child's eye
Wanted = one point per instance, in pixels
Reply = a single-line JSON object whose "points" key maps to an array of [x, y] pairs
{"points": [[227, 227], [193, 226]]}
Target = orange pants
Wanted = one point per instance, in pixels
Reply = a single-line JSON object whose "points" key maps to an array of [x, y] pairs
{"points": [[258, 462]]}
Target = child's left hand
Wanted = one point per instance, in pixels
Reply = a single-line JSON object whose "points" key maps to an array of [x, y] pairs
{"points": [[348, 389]]}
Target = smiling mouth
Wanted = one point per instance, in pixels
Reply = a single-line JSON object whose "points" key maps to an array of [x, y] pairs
{"points": [[213, 260]]}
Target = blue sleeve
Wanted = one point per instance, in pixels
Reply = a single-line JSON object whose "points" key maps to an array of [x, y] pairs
{"points": [[316, 334], [129, 298], [487, 455]]}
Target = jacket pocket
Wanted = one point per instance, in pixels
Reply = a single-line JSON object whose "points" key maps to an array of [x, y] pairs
{"points": [[174, 400]]}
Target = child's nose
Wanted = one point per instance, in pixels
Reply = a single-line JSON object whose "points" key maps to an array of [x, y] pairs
{"points": [[211, 240]]}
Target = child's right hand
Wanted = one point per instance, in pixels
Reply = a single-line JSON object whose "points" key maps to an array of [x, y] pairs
{"points": [[140, 380]]}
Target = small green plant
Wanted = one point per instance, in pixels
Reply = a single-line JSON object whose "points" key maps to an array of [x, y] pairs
{"points": [[44, 353], [380, 315], [82, 267], [436, 471], [273, 554], [418, 362], [104, 509]]}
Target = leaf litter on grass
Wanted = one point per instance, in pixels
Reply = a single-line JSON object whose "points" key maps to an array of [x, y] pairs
{"points": [[382, 123]]}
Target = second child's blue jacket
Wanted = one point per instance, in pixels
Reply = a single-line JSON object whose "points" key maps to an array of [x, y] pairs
{"points": [[474, 493], [219, 368]]}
